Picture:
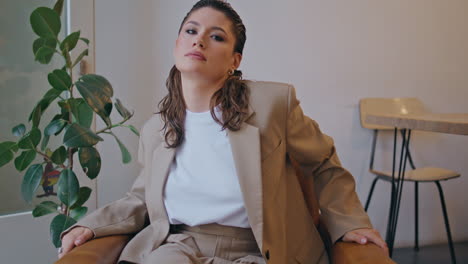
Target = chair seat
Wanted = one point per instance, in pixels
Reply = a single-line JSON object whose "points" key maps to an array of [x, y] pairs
{"points": [[425, 174]]}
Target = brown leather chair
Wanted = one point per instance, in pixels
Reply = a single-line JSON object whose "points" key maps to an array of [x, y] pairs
{"points": [[106, 250]]}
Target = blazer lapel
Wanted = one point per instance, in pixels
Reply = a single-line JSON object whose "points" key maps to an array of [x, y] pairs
{"points": [[245, 145], [162, 159]]}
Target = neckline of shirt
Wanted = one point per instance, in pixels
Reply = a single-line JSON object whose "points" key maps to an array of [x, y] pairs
{"points": [[203, 115]]}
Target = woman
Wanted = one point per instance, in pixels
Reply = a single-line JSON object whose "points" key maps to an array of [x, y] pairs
{"points": [[217, 184]]}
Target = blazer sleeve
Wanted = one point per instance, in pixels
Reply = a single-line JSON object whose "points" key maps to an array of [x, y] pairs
{"points": [[340, 208], [125, 216]]}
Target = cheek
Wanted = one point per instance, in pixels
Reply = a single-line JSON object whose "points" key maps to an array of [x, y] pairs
{"points": [[178, 47], [179, 41], [225, 57]]}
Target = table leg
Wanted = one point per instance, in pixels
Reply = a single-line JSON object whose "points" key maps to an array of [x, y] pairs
{"points": [[388, 234], [396, 195], [401, 181]]}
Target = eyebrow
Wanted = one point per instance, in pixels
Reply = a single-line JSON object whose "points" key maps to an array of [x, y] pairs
{"points": [[214, 28]]}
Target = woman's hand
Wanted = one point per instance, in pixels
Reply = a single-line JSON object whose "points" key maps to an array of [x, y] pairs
{"points": [[77, 236], [364, 235]]}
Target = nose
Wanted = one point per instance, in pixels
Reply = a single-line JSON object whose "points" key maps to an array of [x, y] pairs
{"points": [[198, 42]]}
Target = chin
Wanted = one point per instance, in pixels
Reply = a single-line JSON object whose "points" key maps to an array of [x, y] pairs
{"points": [[192, 71]]}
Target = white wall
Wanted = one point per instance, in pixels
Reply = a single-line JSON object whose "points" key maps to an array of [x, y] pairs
{"points": [[334, 52]]}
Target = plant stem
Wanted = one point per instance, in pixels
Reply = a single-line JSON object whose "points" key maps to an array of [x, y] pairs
{"points": [[66, 54], [114, 125], [70, 115]]}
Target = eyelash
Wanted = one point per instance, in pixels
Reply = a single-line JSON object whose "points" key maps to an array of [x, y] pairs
{"points": [[215, 37]]}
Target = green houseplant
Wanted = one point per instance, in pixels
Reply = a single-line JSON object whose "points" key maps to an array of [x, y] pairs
{"points": [[55, 169]]}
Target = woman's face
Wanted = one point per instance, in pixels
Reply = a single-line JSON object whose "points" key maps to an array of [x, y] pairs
{"points": [[205, 45]]}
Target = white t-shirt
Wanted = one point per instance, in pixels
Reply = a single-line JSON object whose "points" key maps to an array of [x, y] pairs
{"points": [[202, 185]]}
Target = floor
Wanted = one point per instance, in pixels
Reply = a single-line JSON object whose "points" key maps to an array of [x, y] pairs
{"points": [[437, 254]]}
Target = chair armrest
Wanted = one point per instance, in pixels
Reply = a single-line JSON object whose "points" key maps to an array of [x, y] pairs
{"points": [[104, 250], [347, 253]]}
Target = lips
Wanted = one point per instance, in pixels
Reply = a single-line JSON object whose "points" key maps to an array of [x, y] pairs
{"points": [[196, 55]]}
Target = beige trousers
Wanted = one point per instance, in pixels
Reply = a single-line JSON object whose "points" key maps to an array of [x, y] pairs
{"points": [[207, 244]]}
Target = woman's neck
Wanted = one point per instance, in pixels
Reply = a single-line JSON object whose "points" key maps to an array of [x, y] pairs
{"points": [[198, 93]]}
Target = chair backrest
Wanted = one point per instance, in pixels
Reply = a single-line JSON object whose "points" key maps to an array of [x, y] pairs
{"points": [[402, 106]]}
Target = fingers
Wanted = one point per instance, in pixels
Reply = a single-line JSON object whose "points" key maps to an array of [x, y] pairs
{"points": [[77, 236], [362, 236], [86, 235], [67, 245], [373, 236], [353, 236]]}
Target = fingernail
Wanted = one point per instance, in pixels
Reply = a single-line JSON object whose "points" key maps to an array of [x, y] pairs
{"points": [[78, 241], [363, 240]]}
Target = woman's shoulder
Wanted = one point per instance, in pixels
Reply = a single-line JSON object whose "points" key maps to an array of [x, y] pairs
{"points": [[264, 93], [152, 126], [268, 86]]}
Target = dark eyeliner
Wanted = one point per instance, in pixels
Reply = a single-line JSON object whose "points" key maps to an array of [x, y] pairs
{"points": [[218, 38]]}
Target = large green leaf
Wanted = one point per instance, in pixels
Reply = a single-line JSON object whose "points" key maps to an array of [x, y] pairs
{"points": [[44, 208], [59, 224], [6, 152], [25, 159], [13, 146], [82, 112], [44, 54], [58, 7], [98, 82], [126, 156], [31, 181], [78, 213], [60, 80], [5, 157], [42, 105], [36, 115], [51, 43], [55, 127], [59, 156], [83, 196], [45, 22], [97, 92], [31, 139], [69, 43], [19, 130], [90, 161], [79, 136], [68, 187], [124, 112], [45, 141]]}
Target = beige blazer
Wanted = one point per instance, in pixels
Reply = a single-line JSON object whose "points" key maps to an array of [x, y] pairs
{"points": [[277, 212]]}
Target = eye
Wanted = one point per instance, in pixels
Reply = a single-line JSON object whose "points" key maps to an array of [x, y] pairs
{"points": [[191, 31], [217, 38]]}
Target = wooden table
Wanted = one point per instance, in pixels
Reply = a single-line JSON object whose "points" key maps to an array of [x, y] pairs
{"points": [[443, 123], [435, 122]]}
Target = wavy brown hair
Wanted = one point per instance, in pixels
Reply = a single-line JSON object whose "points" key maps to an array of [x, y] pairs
{"points": [[232, 99]]}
